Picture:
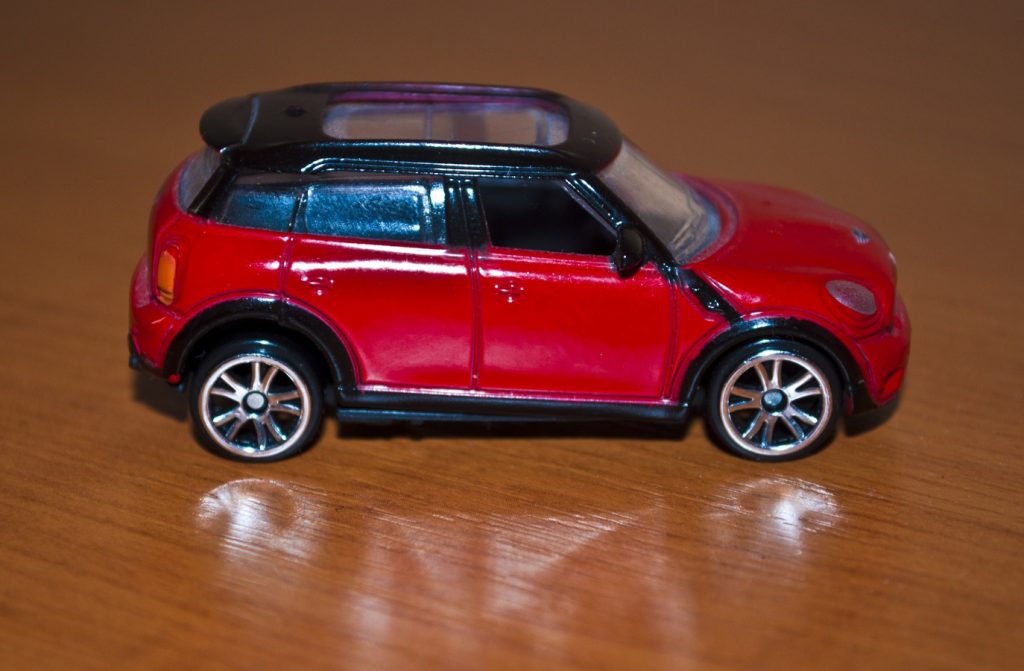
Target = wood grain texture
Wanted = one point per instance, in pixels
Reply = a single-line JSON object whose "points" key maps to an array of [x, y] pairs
{"points": [[124, 545]]}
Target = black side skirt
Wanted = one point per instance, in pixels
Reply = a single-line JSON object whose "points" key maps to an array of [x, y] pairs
{"points": [[394, 406]]}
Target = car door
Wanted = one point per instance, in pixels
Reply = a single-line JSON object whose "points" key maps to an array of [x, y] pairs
{"points": [[556, 319], [371, 255]]}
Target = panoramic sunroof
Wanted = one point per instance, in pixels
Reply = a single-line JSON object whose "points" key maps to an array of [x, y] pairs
{"points": [[446, 118]]}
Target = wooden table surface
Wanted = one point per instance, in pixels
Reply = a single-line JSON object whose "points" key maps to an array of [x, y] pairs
{"points": [[125, 545]]}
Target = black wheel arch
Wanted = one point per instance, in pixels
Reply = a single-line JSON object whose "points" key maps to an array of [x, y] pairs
{"points": [[268, 316], [743, 333]]}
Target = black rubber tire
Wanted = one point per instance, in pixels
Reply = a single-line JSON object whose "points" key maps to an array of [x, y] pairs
{"points": [[731, 363], [279, 350]]}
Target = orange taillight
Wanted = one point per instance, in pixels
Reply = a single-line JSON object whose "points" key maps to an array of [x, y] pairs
{"points": [[165, 270]]}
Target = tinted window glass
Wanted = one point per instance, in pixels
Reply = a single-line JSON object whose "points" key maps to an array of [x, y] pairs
{"points": [[403, 210], [542, 216], [263, 206]]}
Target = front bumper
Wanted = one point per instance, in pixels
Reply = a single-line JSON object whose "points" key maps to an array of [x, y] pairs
{"points": [[886, 356]]}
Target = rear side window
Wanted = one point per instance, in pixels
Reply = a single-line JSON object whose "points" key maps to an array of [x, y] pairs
{"points": [[377, 207], [265, 206], [542, 216], [195, 176]]}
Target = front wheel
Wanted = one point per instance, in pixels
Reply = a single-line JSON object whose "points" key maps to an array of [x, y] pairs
{"points": [[773, 401], [256, 401]]}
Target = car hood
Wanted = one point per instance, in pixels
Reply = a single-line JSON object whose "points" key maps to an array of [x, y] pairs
{"points": [[778, 236]]}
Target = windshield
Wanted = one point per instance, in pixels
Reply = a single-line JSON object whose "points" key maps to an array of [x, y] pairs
{"points": [[683, 220]]}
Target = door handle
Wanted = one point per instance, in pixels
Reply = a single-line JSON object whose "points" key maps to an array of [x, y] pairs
{"points": [[509, 289], [319, 282]]}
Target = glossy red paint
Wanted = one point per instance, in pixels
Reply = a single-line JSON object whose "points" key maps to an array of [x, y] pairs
{"points": [[568, 324], [778, 249], [884, 356], [406, 310], [784, 247], [216, 263], [508, 323], [149, 321]]}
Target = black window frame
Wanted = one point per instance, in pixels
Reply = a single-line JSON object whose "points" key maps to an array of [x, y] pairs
{"points": [[224, 179], [462, 207], [453, 176]]}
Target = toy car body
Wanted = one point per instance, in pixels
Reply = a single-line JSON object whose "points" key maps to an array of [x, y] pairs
{"points": [[413, 251]]}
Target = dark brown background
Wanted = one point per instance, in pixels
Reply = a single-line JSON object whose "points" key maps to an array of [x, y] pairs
{"points": [[122, 543]]}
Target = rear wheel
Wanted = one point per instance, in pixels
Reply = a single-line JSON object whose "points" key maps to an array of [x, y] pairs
{"points": [[773, 401], [256, 401]]}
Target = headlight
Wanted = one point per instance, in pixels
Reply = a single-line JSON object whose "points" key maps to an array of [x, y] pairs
{"points": [[853, 296]]}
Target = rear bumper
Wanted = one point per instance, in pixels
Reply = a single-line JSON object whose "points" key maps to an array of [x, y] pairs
{"points": [[134, 362], [150, 325], [137, 362]]}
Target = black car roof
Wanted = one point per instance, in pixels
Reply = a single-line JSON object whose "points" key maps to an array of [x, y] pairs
{"points": [[283, 130]]}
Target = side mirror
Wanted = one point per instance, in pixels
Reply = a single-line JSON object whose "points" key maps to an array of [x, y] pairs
{"points": [[630, 250]]}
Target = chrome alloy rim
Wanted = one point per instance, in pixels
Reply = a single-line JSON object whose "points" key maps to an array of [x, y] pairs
{"points": [[255, 406], [775, 403]]}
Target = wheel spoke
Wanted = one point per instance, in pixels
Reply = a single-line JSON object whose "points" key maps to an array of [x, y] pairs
{"points": [[274, 429], [794, 412], [776, 373], [286, 408], [232, 395], [275, 399], [749, 404], [791, 389], [261, 434], [221, 420], [762, 375], [236, 427], [743, 392], [794, 428], [226, 378], [797, 395], [255, 384], [268, 378], [766, 439], [755, 425]]}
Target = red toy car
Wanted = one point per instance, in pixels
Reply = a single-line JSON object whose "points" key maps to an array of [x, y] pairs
{"points": [[411, 251]]}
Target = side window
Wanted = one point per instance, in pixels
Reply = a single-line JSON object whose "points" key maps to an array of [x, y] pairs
{"points": [[253, 205], [542, 216], [377, 207]]}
